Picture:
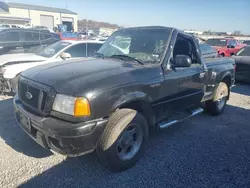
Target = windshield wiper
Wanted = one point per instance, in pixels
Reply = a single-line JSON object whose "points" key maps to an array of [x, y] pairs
{"points": [[99, 55], [123, 57]]}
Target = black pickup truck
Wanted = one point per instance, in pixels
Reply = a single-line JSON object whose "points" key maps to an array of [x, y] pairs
{"points": [[140, 78]]}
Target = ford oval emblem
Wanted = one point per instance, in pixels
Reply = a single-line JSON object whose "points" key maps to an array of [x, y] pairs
{"points": [[28, 95]]}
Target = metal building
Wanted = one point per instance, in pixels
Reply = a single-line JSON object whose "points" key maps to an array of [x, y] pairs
{"points": [[21, 14]]}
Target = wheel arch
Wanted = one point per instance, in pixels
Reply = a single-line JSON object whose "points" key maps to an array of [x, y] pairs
{"points": [[227, 80]]}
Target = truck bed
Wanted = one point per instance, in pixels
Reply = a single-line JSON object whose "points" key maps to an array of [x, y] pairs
{"points": [[217, 69], [218, 61]]}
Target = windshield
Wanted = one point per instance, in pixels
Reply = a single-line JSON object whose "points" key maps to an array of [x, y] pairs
{"points": [[53, 49], [244, 51], [217, 42], [145, 45]]}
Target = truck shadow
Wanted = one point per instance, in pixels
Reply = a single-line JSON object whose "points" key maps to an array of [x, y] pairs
{"points": [[207, 149], [14, 136]]}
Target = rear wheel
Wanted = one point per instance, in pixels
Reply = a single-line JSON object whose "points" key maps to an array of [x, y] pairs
{"points": [[123, 140], [216, 105]]}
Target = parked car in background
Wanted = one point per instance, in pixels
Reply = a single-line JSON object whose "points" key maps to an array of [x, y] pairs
{"points": [[208, 51], [242, 59], [247, 42], [101, 39], [11, 65], [44, 28], [9, 26], [27, 26], [111, 103], [25, 40], [91, 36], [85, 35], [226, 47]]}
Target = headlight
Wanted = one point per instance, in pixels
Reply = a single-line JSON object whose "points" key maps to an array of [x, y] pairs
{"points": [[75, 106]]}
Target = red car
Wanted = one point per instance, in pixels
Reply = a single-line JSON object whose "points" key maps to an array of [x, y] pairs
{"points": [[225, 46]]}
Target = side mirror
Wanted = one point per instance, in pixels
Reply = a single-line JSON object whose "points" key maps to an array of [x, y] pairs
{"points": [[65, 56], [181, 61]]}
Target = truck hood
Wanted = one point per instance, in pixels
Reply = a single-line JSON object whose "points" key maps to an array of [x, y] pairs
{"points": [[75, 77], [20, 58]]}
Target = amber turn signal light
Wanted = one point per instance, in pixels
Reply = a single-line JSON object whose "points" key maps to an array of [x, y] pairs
{"points": [[82, 107]]}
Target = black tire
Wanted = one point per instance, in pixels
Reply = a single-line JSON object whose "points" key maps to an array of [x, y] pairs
{"points": [[118, 123], [217, 105]]}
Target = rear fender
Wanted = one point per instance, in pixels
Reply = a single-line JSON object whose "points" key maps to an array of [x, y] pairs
{"points": [[226, 77]]}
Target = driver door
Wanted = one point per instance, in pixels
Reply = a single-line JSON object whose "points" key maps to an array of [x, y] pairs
{"points": [[184, 86]]}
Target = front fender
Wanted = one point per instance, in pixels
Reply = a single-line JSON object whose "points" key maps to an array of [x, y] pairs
{"points": [[130, 97], [227, 74], [13, 70], [139, 101]]}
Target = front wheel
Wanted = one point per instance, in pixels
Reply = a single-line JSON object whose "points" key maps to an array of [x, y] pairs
{"points": [[216, 105], [123, 140]]}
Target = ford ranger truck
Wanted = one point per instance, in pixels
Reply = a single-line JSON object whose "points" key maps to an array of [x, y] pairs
{"points": [[141, 78]]}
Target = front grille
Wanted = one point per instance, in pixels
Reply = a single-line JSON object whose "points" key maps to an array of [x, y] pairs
{"points": [[23, 89], [35, 96]]}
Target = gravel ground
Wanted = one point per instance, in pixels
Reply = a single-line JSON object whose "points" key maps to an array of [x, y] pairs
{"points": [[204, 151]]}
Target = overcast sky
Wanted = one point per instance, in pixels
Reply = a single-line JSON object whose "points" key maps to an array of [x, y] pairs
{"points": [[216, 15]]}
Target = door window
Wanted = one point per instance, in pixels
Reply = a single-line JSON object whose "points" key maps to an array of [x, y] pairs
{"points": [[232, 43], [185, 46], [29, 36], [79, 50], [45, 36], [10, 36], [92, 48]]}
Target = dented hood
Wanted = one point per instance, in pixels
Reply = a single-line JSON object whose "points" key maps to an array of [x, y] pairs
{"points": [[73, 77]]}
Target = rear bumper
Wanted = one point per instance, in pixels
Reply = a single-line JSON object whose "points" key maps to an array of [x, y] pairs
{"points": [[71, 139]]}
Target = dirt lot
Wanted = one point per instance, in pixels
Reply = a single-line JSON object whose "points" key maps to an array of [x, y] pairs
{"points": [[202, 152]]}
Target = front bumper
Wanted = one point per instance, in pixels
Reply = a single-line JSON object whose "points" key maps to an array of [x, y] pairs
{"points": [[71, 139]]}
